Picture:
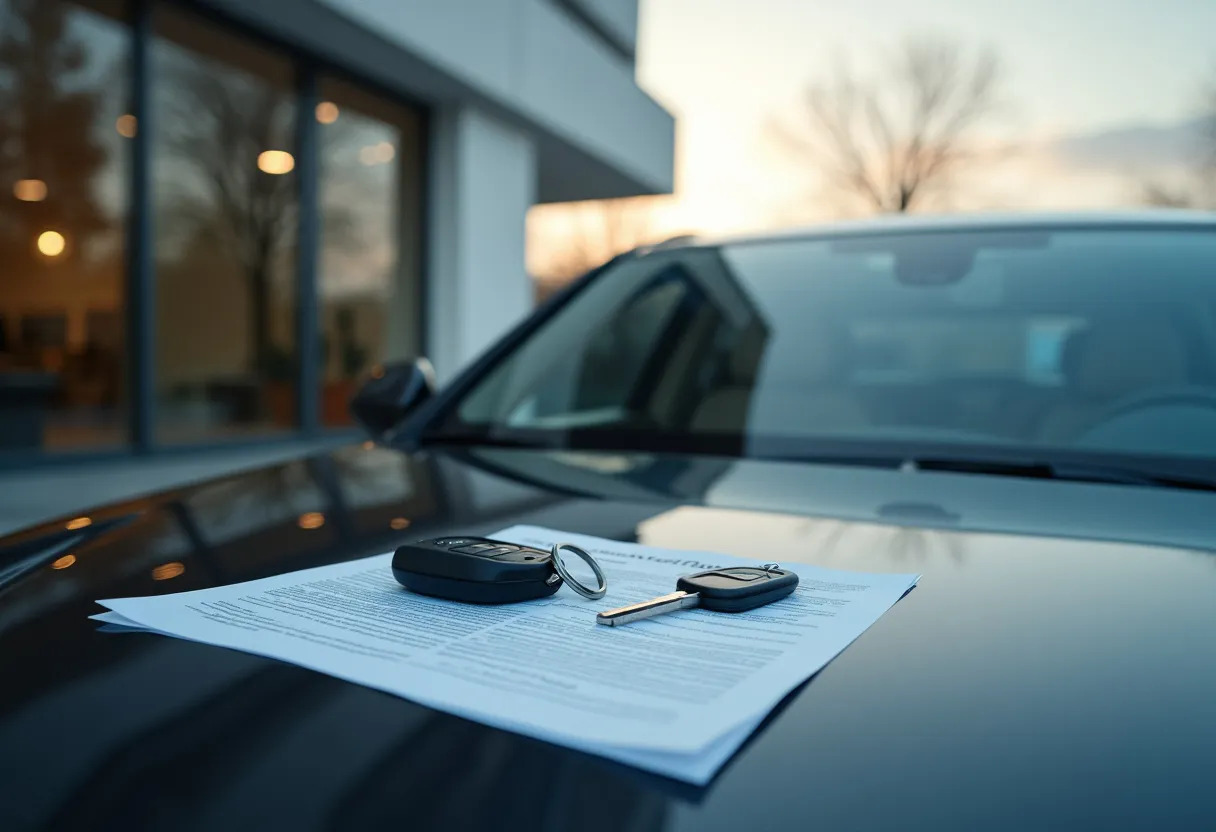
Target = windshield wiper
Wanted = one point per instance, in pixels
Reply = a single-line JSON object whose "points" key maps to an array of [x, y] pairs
{"points": [[1037, 469], [1012, 464], [1061, 471]]}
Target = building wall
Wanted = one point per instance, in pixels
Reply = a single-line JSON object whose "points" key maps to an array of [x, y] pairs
{"points": [[615, 20], [484, 181], [539, 63]]}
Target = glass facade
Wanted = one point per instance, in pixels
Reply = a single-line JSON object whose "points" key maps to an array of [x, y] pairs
{"points": [[224, 190], [63, 169], [162, 271], [371, 194]]}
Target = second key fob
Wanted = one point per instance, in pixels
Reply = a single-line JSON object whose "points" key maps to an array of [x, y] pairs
{"points": [[475, 570]]}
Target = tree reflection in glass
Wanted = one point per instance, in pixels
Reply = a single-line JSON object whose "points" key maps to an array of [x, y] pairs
{"points": [[62, 171], [225, 187], [370, 169]]}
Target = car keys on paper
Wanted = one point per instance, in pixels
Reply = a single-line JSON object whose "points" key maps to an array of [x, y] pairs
{"points": [[734, 589], [480, 571]]}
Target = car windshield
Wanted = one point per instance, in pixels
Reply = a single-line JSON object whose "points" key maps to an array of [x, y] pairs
{"points": [[1095, 339]]}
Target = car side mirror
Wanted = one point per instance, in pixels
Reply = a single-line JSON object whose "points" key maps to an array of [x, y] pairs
{"points": [[391, 391]]}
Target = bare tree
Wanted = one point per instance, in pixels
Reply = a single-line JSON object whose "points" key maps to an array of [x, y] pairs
{"points": [[47, 120], [213, 128], [1161, 195], [887, 141], [216, 195], [1197, 189]]}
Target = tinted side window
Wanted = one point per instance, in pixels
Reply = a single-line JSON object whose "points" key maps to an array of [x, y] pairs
{"points": [[595, 381], [618, 354], [638, 348]]}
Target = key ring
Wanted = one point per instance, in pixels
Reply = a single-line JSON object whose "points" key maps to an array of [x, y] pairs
{"points": [[581, 589]]}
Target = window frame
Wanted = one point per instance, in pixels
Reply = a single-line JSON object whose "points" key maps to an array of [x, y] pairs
{"points": [[139, 281]]}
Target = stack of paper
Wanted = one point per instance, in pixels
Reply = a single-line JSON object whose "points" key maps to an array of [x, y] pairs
{"points": [[675, 695]]}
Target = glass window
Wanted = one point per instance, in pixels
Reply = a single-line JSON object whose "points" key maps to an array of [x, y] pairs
{"points": [[598, 383], [225, 224], [1069, 338], [630, 352], [63, 196], [371, 173]]}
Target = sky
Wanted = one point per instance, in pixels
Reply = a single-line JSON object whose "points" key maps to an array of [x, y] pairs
{"points": [[1094, 95]]}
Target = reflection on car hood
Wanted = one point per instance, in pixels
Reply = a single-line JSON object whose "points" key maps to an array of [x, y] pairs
{"points": [[1052, 673], [907, 497]]}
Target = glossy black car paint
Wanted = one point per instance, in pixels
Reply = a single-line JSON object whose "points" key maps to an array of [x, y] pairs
{"points": [[1029, 682]]}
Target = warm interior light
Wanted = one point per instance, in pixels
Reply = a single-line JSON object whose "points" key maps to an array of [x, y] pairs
{"points": [[377, 154], [126, 125], [78, 523], [311, 520], [29, 190], [399, 523], [369, 445], [275, 161], [168, 570], [327, 112], [51, 243], [63, 562]]}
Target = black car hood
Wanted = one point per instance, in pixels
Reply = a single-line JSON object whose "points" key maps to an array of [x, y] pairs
{"points": [[1043, 678]]}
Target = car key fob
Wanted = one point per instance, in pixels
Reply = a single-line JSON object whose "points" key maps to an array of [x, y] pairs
{"points": [[475, 570], [740, 588]]}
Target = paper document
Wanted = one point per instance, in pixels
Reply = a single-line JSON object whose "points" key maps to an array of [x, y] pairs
{"points": [[676, 694]]}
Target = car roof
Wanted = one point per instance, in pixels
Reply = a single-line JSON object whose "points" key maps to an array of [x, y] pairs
{"points": [[1145, 219]]}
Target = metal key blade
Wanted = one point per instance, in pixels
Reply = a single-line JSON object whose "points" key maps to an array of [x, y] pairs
{"points": [[647, 609]]}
